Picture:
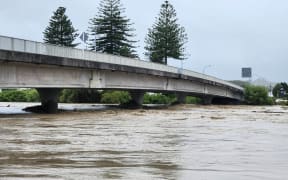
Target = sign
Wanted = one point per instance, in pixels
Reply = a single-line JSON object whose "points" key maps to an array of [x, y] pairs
{"points": [[84, 37], [246, 72]]}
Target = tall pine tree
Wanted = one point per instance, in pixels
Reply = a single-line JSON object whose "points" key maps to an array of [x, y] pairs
{"points": [[166, 38], [111, 32], [60, 30]]}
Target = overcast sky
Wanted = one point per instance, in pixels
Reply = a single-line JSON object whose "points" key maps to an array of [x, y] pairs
{"points": [[224, 35]]}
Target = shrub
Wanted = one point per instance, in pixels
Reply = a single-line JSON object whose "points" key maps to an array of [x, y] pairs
{"points": [[3, 97], [158, 98], [79, 96], [193, 100], [115, 97], [257, 95], [67, 96], [29, 95]]}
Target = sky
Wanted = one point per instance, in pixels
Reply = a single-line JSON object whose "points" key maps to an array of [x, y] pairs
{"points": [[224, 35]]}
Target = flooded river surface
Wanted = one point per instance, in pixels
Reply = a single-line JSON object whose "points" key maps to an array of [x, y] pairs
{"points": [[181, 142]]}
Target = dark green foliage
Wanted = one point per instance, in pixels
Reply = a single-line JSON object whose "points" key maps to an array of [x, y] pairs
{"points": [[29, 95], [115, 97], [193, 100], [60, 30], [80, 96], [257, 95], [158, 98], [91, 96], [110, 30], [277, 90], [166, 38]]}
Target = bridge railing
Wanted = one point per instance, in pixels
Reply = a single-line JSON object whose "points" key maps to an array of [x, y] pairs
{"points": [[21, 45]]}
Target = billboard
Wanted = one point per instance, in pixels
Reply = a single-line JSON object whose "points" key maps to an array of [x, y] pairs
{"points": [[246, 72]]}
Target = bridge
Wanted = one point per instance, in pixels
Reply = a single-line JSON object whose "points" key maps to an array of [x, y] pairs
{"points": [[50, 68]]}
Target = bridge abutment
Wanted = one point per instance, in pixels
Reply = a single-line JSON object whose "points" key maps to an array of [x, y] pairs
{"points": [[49, 99]]}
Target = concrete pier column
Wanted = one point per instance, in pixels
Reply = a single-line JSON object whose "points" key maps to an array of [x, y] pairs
{"points": [[136, 100], [181, 98], [207, 100], [49, 99]]}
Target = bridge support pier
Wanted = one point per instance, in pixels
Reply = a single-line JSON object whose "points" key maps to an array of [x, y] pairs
{"points": [[181, 98], [136, 100], [207, 100], [49, 99]]}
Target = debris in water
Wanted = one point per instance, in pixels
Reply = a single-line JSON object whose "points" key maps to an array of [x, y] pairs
{"points": [[213, 117]]}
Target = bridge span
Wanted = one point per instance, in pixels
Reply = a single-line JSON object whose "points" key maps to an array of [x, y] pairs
{"points": [[50, 68]]}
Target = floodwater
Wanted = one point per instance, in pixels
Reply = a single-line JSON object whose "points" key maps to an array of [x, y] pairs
{"points": [[181, 142]]}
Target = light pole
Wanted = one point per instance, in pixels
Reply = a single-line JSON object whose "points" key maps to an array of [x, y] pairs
{"points": [[205, 67], [180, 70]]}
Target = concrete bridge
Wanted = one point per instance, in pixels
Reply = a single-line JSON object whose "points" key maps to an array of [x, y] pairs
{"points": [[49, 68]]}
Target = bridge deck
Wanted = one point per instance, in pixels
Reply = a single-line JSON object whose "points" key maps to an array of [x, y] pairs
{"points": [[100, 60]]}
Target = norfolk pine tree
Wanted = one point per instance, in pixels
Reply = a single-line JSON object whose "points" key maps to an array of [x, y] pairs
{"points": [[111, 31], [60, 30], [166, 38]]}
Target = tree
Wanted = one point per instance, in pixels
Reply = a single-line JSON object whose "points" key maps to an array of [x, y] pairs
{"points": [[166, 38], [110, 30], [280, 90], [257, 95], [60, 30]]}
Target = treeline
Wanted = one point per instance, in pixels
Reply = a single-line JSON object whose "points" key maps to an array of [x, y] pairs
{"points": [[111, 32], [91, 96], [258, 95], [13, 95], [254, 95]]}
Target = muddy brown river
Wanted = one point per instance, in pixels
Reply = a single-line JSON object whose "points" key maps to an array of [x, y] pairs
{"points": [[181, 142]]}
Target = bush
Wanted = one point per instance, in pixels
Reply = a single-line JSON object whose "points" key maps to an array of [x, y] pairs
{"points": [[29, 95], [79, 96], [32, 95], [193, 100], [115, 97], [257, 95], [158, 98]]}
